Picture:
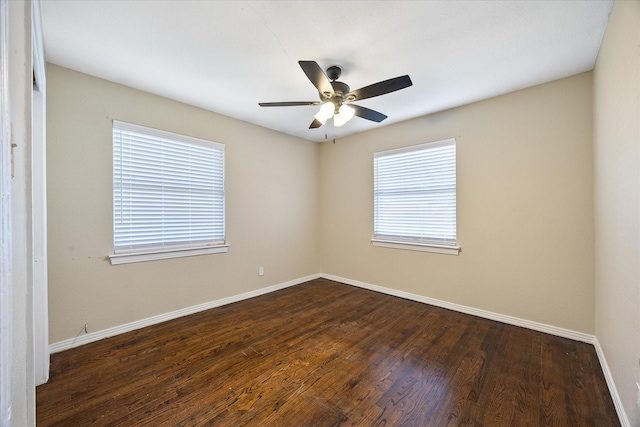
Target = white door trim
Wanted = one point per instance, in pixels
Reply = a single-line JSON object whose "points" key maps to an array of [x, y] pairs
{"points": [[39, 202], [6, 295]]}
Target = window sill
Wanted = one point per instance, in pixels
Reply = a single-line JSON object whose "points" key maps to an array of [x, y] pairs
{"points": [[165, 254], [423, 247]]}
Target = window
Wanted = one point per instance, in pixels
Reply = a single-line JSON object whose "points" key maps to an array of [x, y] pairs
{"points": [[415, 197], [168, 195]]}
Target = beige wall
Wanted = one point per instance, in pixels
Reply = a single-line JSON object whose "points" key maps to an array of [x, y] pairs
{"points": [[272, 208], [617, 200], [525, 207]]}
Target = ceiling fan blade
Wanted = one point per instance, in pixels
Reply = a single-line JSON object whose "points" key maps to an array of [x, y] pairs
{"points": [[318, 78], [315, 124], [368, 113], [288, 104], [379, 88]]}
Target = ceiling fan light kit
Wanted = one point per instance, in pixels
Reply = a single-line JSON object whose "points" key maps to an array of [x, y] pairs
{"points": [[339, 120], [345, 114], [333, 95], [326, 112]]}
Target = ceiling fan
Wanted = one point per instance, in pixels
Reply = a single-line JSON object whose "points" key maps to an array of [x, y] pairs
{"points": [[334, 95]]}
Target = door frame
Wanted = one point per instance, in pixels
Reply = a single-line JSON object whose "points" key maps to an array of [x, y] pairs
{"points": [[6, 261]]}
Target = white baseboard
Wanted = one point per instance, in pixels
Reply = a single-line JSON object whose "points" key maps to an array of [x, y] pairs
{"points": [[516, 321], [617, 402], [541, 327], [105, 333]]}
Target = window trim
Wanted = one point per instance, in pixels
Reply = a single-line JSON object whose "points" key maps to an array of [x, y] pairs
{"points": [[132, 257], [415, 245], [126, 256], [412, 246]]}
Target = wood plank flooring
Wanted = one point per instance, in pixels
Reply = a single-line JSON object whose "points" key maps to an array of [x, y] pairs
{"points": [[327, 354]]}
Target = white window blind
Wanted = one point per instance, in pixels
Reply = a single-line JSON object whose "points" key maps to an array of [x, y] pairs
{"points": [[415, 194], [168, 190]]}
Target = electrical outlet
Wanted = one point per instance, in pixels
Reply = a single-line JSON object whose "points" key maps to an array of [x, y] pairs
{"points": [[260, 271]]}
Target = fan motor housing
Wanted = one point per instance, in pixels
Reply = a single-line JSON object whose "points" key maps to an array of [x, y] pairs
{"points": [[341, 89]]}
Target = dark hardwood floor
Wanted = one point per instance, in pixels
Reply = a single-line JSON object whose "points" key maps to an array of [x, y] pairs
{"points": [[327, 354]]}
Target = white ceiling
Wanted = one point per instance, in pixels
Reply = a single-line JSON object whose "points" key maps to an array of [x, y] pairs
{"points": [[226, 56]]}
